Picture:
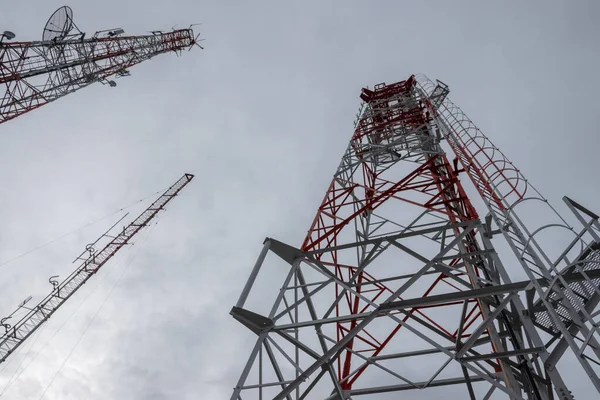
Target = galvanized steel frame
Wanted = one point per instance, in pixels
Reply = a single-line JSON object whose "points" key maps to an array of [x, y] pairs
{"points": [[395, 126], [558, 308], [36, 73]]}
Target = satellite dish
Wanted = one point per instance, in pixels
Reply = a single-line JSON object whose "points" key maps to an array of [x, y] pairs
{"points": [[9, 35], [59, 24]]}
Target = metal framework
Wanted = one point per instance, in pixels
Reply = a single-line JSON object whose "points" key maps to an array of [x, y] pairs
{"points": [[92, 261], [36, 73], [397, 285]]}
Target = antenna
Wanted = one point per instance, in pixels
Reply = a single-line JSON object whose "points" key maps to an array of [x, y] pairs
{"points": [[116, 32], [35, 73], [196, 38], [16, 334], [59, 24], [122, 73], [8, 35], [109, 33]]}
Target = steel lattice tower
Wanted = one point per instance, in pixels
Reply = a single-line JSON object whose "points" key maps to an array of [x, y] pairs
{"points": [[96, 255], [398, 286], [36, 73]]}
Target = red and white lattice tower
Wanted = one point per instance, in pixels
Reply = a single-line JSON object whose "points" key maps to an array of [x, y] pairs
{"points": [[33, 74], [26, 319], [398, 287]]}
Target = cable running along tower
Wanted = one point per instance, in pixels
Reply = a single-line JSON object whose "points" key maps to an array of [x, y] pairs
{"points": [[91, 260], [33, 74], [398, 286]]}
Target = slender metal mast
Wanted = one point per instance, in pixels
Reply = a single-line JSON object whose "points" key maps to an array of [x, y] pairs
{"points": [[94, 259], [35, 73]]}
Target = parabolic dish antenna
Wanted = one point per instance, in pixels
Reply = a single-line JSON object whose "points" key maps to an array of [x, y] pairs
{"points": [[59, 24]]}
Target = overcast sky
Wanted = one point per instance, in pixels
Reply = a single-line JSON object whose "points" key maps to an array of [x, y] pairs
{"points": [[261, 117]]}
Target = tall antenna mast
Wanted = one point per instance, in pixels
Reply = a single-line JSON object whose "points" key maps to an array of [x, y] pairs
{"points": [[397, 285], [36, 73], [92, 261]]}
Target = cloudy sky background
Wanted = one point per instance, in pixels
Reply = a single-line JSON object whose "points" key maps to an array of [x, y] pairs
{"points": [[261, 116]]}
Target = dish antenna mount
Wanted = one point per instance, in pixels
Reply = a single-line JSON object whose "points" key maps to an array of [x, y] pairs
{"points": [[59, 25], [7, 35]]}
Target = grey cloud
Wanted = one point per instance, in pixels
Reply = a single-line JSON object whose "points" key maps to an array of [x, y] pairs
{"points": [[261, 116]]}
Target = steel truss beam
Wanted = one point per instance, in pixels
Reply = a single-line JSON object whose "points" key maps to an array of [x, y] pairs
{"points": [[467, 354]]}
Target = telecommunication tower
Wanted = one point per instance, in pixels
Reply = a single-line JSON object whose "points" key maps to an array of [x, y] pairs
{"points": [[65, 60], [95, 256], [398, 286]]}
